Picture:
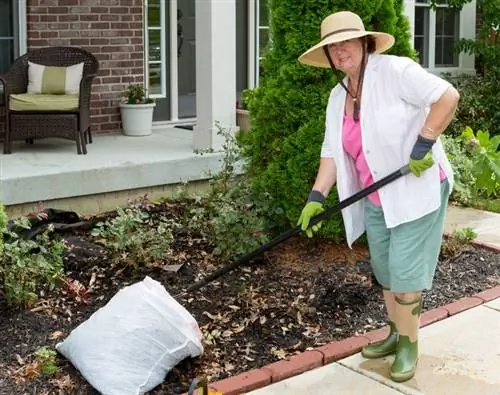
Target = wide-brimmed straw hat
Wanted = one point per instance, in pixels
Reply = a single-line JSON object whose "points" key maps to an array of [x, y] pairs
{"points": [[341, 26]]}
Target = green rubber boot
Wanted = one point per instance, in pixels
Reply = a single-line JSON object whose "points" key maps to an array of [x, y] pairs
{"points": [[388, 345], [383, 348], [407, 322]]}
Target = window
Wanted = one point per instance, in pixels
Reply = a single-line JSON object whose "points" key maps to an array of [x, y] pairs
{"points": [[9, 37], [436, 32], [156, 48], [263, 37]]}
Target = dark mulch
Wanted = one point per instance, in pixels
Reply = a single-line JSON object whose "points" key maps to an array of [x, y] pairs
{"points": [[302, 294]]}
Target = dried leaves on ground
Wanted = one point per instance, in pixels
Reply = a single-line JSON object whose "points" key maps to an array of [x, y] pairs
{"points": [[302, 294]]}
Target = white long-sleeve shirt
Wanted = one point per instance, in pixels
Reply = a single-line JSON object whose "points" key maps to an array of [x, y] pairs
{"points": [[397, 94]]}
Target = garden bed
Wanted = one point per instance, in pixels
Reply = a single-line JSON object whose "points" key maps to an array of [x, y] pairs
{"points": [[303, 293]]}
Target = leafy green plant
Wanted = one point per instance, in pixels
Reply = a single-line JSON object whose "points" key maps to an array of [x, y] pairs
{"points": [[230, 214], [3, 226], [457, 242], [485, 47], [134, 237], [46, 359], [28, 265], [485, 158], [136, 94], [464, 190], [282, 151], [478, 106]]}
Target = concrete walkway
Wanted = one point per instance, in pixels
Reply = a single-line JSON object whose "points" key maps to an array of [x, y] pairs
{"points": [[459, 355], [486, 224]]}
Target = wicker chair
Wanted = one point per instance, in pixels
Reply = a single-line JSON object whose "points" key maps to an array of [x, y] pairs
{"points": [[38, 124]]}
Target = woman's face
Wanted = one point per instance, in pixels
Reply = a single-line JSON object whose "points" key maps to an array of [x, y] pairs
{"points": [[347, 55]]}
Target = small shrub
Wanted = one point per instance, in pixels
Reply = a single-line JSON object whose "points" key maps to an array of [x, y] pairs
{"points": [[3, 226], [486, 160], [46, 359], [457, 242], [478, 107], [134, 237], [288, 107], [230, 214], [461, 163], [28, 265]]}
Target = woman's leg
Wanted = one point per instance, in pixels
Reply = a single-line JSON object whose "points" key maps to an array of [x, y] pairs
{"points": [[378, 242], [388, 345], [413, 258], [408, 307]]}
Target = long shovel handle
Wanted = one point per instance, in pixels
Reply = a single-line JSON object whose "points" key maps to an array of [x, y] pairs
{"points": [[289, 233]]}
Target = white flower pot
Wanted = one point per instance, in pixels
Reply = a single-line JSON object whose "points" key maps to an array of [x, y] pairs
{"points": [[137, 119]]}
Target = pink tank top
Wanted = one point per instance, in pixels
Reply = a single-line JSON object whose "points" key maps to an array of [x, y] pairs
{"points": [[351, 140]]}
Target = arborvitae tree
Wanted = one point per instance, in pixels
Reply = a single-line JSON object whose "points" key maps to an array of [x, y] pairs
{"points": [[288, 108]]}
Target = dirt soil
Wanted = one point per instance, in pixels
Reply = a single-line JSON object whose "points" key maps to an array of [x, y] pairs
{"points": [[303, 293]]}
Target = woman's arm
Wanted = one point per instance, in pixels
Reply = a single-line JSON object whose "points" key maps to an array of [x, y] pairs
{"points": [[441, 114], [326, 177]]}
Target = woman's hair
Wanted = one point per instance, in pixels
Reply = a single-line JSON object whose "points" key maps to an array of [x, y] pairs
{"points": [[371, 44]]}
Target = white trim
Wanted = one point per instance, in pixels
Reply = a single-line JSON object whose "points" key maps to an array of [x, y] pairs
{"points": [[161, 62], [22, 27], [256, 28], [251, 44], [432, 40], [174, 77]]}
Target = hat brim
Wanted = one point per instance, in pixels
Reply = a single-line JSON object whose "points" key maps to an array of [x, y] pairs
{"points": [[315, 56]]}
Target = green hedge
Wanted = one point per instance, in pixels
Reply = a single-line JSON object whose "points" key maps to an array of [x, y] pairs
{"points": [[288, 107]]}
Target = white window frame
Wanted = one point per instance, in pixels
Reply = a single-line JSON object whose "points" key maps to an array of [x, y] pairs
{"points": [[22, 27], [254, 57], [162, 61], [466, 30]]}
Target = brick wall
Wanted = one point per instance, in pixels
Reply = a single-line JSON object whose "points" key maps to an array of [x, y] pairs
{"points": [[110, 29]]}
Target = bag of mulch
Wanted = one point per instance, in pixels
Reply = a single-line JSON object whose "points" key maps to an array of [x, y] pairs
{"points": [[128, 346]]}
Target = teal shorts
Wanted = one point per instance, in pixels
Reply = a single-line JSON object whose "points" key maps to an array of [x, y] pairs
{"points": [[404, 258]]}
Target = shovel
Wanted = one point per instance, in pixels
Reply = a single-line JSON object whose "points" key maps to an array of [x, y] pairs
{"points": [[294, 231]]}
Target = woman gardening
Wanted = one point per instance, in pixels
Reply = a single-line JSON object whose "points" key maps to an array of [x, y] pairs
{"points": [[386, 112]]}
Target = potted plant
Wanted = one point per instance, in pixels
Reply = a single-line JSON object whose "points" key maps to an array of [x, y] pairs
{"points": [[242, 114], [136, 110]]}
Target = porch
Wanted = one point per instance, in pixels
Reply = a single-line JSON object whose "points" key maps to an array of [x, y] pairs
{"points": [[115, 169]]}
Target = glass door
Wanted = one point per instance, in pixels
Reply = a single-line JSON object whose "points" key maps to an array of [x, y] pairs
{"points": [[171, 58], [186, 58]]}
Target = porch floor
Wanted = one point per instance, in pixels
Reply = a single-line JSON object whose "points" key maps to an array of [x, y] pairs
{"points": [[51, 170]]}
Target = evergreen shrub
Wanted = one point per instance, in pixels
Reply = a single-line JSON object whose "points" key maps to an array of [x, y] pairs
{"points": [[288, 107]]}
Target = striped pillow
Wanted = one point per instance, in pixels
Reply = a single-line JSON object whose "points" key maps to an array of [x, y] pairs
{"points": [[52, 80]]}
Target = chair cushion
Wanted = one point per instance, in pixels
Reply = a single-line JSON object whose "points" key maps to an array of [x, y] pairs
{"points": [[53, 80], [38, 102]]}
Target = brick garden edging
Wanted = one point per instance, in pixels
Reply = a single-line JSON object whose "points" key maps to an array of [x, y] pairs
{"points": [[331, 352]]}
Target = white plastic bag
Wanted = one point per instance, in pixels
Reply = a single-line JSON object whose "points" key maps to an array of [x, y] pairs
{"points": [[128, 346]]}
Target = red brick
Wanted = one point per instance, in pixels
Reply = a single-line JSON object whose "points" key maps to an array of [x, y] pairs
{"points": [[244, 382], [486, 245], [462, 305], [489, 294], [294, 365], [340, 349], [432, 316]]}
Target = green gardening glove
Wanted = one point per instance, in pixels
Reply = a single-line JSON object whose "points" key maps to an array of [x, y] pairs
{"points": [[421, 156], [313, 207]]}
